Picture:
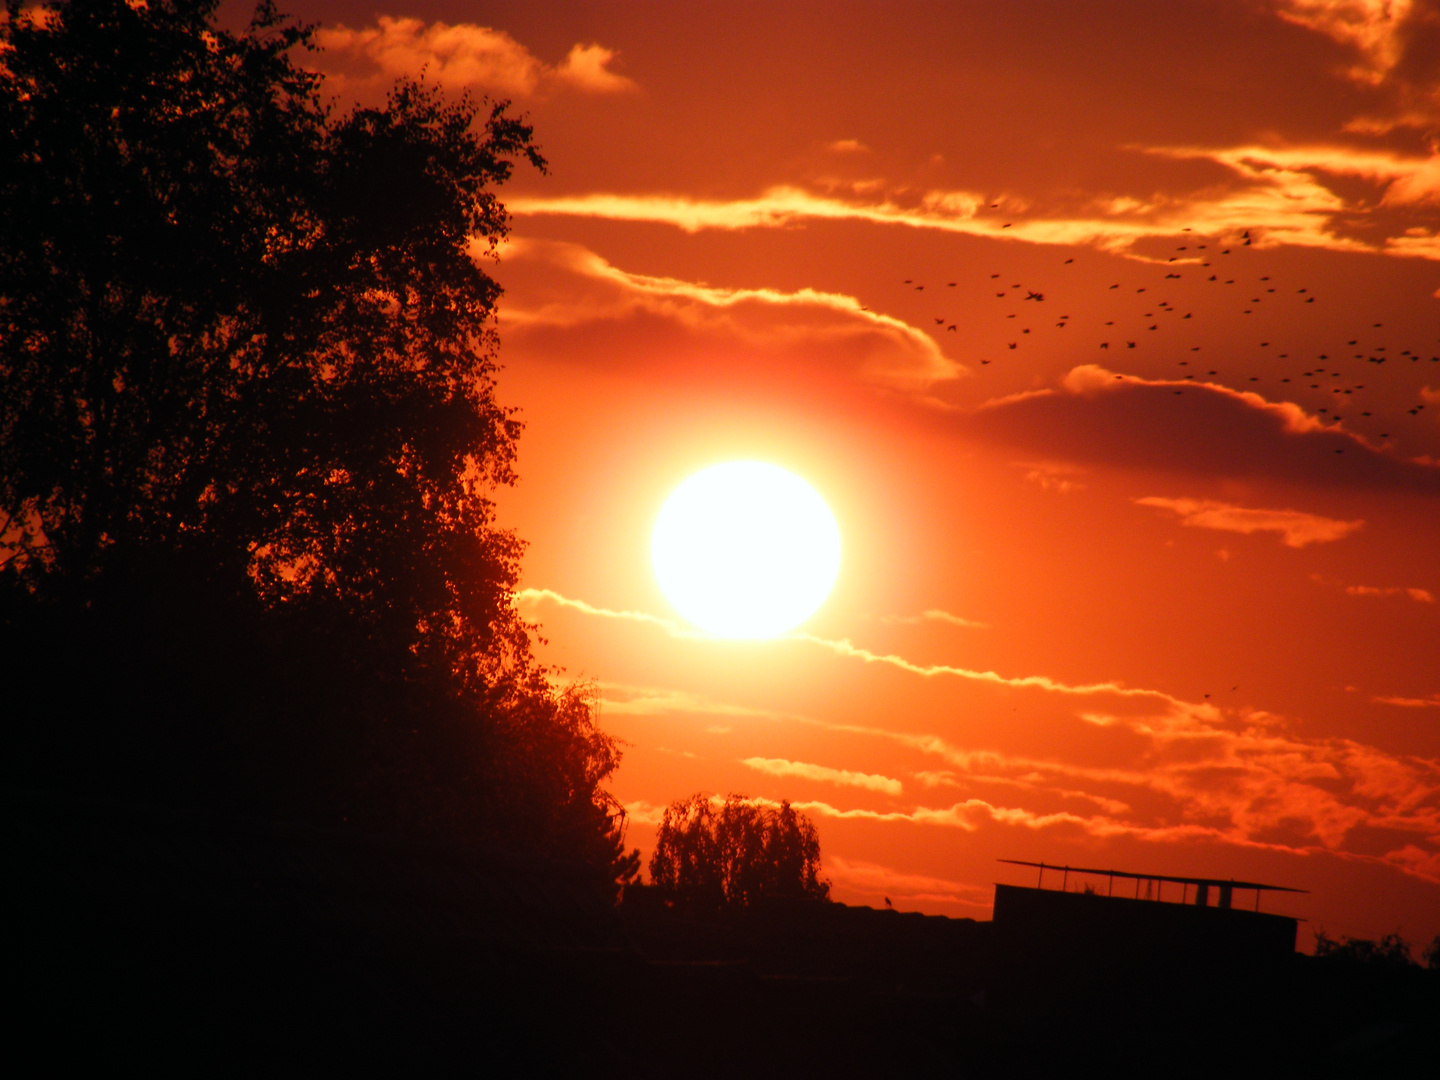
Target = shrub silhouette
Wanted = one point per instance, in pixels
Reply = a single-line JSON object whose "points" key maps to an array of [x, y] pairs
{"points": [[248, 439], [1391, 951], [713, 855]]}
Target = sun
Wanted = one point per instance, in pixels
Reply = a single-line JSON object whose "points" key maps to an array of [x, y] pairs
{"points": [[746, 550]]}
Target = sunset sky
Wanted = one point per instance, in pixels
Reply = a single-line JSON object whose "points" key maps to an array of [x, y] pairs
{"points": [[1140, 572]]}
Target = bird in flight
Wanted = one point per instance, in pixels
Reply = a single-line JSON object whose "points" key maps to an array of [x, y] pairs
{"points": [[1029, 295]]}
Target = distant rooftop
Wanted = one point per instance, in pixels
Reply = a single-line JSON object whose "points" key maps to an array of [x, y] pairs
{"points": [[1154, 883]]}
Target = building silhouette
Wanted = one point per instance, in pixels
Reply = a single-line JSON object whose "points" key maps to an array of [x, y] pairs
{"points": [[1195, 923]]}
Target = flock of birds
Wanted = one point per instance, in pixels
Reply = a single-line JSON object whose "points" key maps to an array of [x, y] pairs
{"points": [[1321, 373]]}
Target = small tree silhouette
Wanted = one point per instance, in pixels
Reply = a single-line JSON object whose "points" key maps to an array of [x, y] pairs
{"points": [[1391, 951], [713, 855]]}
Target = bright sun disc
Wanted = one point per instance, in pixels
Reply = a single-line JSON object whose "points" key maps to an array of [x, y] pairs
{"points": [[746, 550]]}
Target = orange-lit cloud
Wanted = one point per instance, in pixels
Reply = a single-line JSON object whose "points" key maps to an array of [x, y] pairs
{"points": [[1097, 415], [949, 778], [1240, 777], [1373, 27], [1420, 596], [1433, 701], [458, 56], [935, 615], [844, 647], [1296, 527], [969, 814], [894, 352], [1278, 193], [660, 701], [1111, 226], [824, 774], [1289, 199], [1053, 476], [535, 596], [876, 881], [641, 812]]}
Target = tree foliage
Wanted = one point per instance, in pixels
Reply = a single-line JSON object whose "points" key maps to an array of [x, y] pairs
{"points": [[713, 855], [249, 438], [1391, 951]]}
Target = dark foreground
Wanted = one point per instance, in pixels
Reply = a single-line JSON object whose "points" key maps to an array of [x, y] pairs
{"points": [[190, 942]]}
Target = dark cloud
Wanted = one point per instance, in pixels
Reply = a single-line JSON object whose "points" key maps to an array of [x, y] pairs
{"points": [[1203, 430]]}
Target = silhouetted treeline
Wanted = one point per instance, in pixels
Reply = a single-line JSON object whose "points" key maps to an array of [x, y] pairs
{"points": [[1391, 951], [248, 433], [714, 855]]}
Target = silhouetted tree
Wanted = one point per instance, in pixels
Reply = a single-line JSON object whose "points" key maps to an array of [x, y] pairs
{"points": [[1391, 951], [713, 855], [248, 437]]}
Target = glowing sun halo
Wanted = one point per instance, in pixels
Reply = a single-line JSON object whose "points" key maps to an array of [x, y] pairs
{"points": [[745, 550]]}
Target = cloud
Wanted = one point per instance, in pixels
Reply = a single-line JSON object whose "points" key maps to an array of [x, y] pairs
{"points": [[1109, 226], [1420, 596], [775, 207], [1377, 29], [641, 812], [949, 778], [1184, 771], [660, 701], [878, 882], [535, 596], [1298, 528], [935, 615], [885, 348], [823, 774], [459, 56], [1394, 42], [1196, 428], [1280, 194], [1291, 203], [1053, 476], [848, 146], [844, 647], [587, 68], [969, 814]]}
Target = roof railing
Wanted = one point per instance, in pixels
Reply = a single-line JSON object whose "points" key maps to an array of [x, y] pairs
{"points": [[1154, 883]]}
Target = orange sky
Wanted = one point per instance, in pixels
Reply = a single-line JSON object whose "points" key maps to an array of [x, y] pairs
{"points": [[1171, 606]]}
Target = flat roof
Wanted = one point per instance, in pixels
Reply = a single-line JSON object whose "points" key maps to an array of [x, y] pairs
{"points": [[1231, 882]]}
